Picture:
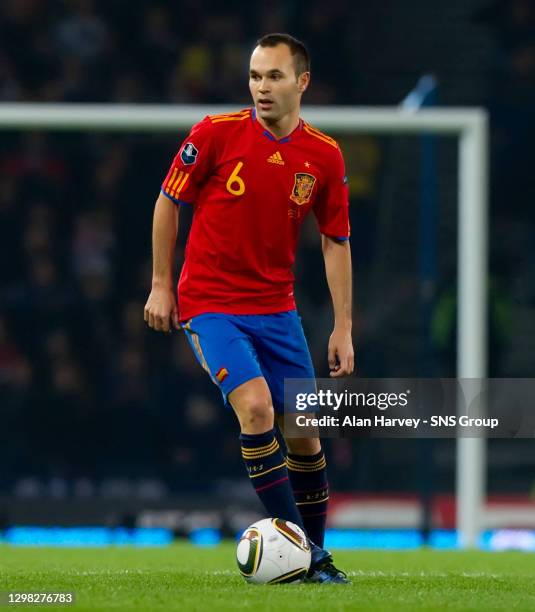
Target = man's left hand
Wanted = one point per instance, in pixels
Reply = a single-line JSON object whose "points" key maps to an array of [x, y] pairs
{"points": [[340, 353]]}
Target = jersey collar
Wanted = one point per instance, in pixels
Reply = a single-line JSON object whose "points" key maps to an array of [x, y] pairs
{"points": [[260, 128]]}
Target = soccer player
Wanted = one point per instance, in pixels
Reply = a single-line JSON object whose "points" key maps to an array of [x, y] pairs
{"points": [[251, 177]]}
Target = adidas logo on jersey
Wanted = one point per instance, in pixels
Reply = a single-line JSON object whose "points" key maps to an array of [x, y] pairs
{"points": [[276, 158]]}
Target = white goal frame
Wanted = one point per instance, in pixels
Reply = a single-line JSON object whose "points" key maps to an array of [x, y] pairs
{"points": [[471, 127]]}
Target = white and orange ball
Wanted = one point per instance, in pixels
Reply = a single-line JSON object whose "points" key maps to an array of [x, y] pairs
{"points": [[273, 551]]}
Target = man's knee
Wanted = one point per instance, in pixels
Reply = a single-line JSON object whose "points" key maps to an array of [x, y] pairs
{"points": [[253, 406], [256, 415]]}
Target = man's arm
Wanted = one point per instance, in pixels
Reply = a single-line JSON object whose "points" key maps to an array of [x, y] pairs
{"points": [[161, 309], [337, 256]]}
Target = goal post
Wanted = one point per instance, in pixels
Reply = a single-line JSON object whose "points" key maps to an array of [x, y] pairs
{"points": [[470, 125]]}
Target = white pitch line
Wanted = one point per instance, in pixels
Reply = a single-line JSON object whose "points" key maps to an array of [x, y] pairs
{"points": [[382, 574], [106, 571], [354, 574]]}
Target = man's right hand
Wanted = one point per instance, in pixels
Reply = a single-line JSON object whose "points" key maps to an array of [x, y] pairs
{"points": [[160, 310]]}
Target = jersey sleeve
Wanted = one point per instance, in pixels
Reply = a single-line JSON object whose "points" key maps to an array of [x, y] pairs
{"points": [[332, 205], [191, 165]]}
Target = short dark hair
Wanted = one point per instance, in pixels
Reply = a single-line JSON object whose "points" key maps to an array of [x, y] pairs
{"points": [[297, 49]]}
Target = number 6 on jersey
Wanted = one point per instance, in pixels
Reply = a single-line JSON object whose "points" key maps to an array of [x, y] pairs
{"points": [[235, 184]]}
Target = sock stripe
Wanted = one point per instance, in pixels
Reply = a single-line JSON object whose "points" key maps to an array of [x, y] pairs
{"points": [[302, 469], [283, 464], [315, 501], [258, 448], [271, 484], [261, 451], [304, 464], [260, 455]]}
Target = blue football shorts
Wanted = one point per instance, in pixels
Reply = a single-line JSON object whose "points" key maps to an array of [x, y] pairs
{"points": [[236, 348]]}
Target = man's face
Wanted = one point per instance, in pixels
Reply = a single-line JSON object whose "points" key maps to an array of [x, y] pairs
{"points": [[275, 88]]}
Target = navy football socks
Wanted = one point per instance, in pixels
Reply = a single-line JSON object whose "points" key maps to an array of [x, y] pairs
{"points": [[308, 475], [267, 470]]}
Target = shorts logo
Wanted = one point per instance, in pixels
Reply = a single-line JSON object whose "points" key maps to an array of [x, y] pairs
{"points": [[221, 374], [302, 189], [189, 153]]}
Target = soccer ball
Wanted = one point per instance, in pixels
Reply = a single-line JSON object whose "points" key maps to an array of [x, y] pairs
{"points": [[273, 551]]}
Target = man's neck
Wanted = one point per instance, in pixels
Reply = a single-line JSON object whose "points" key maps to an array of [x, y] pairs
{"points": [[282, 128]]}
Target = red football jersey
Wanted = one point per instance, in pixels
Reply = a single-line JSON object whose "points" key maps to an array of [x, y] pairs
{"points": [[250, 194]]}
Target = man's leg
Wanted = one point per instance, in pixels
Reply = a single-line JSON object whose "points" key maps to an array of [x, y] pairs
{"points": [[283, 353], [261, 452], [226, 352]]}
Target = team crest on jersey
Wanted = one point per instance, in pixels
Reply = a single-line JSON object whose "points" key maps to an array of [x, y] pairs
{"points": [[303, 186], [189, 153]]}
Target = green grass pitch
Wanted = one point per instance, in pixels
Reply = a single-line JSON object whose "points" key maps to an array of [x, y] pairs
{"points": [[183, 577]]}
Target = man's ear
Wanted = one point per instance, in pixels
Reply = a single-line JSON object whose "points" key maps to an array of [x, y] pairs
{"points": [[303, 81]]}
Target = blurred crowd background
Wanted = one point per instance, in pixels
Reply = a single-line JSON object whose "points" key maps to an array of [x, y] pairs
{"points": [[86, 390]]}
